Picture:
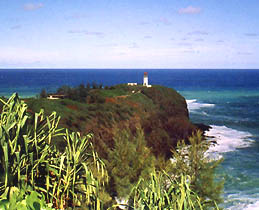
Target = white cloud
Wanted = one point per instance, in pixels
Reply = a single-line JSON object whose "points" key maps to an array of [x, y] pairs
{"points": [[185, 44], [23, 55], [147, 53], [199, 40], [165, 21], [15, 27], [245, 53], [251, 34], [32, 6], [76, 16], [91, 33], [198, 33], [147, 37], [76, 31], [189, 10], [144, 23], [190, 51], [94, 33], [133, 45]]}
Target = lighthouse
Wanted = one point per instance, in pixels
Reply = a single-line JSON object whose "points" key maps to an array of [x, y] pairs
{"points": [[145, 79]]}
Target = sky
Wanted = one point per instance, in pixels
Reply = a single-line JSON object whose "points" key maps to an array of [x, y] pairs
{"points": [[129, 34]]}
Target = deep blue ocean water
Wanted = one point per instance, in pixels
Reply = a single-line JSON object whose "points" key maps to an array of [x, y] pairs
{"points": [[228, 100]]}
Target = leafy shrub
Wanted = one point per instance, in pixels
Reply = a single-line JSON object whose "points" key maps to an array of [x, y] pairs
{"points": [[21, 200]]}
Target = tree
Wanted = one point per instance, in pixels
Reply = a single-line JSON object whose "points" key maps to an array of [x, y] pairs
{"points": [[94, 85], [43, 94], [129, 160], [64, 90], [193, 161], [88, 86]]}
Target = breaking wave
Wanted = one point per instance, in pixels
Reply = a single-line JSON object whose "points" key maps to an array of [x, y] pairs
{"points": [[228, 139], [194, 105], [254, 206]]}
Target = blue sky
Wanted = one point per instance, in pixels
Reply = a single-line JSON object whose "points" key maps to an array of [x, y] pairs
{"points": [[129, 34]]}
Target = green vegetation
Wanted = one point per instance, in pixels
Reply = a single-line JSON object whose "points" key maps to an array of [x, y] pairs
{"points": [[21, 200], [191, 160], [74, 93], [129, 160], [161, 112], [151, 155], [163, 192], [30, 163]]}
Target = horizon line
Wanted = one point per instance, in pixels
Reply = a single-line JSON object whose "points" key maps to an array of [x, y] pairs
{"points": [[49, 68]]}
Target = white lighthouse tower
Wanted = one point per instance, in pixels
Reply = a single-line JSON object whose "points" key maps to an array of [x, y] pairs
{"points": [[145, 80]]}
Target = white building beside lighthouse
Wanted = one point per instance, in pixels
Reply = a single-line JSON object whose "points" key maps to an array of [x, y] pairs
{"points": [[145, 80]]}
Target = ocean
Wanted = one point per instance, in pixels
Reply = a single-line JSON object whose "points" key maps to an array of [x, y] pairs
{"points": [[227, 100]]}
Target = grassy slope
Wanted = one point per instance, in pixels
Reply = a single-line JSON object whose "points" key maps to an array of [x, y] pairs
{"points": [[161, 112]]}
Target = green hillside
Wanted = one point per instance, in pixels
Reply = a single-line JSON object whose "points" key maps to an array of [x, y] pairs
{"points": [[161, 112], [136, 131]]}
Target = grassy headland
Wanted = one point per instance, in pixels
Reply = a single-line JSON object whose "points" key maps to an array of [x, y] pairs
{"points": [[136, 131], [159, 111]]}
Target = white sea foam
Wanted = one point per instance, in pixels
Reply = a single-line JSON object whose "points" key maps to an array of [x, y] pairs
{"points": [[194, 105], [228, 139], [254, 206], [244, 204]]}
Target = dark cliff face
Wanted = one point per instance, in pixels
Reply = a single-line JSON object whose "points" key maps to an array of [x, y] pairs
{"points": [[169, 123], [161, 112]]}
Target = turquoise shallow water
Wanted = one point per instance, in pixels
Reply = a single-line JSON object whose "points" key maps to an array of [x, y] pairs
{"points": [[234, 116], [228, 100]]}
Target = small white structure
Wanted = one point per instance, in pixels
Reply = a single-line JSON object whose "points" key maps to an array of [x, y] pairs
{"points": [[55, 96], [145, 80], [132, 84]]}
